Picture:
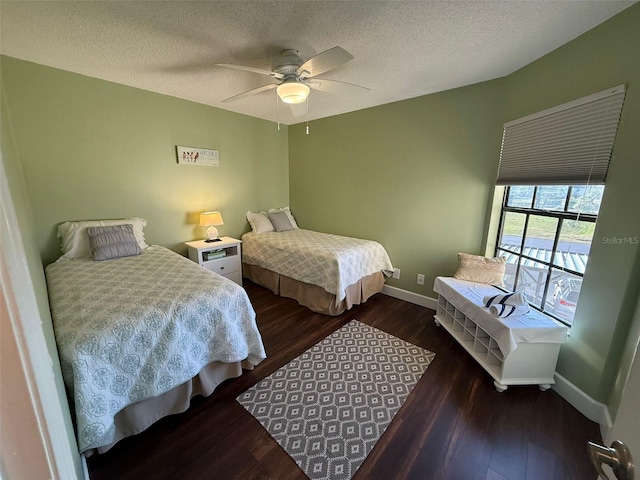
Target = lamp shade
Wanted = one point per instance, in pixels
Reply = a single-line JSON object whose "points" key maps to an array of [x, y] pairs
{"points": [[293, 91], [208, 219]]}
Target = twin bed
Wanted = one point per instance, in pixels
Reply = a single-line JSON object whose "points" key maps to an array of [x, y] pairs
{"points": [[143, 332], [139, 336], [326, 273]]}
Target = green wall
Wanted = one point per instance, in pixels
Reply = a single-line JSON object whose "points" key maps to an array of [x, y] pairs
{"points": [[92, 149], [418, 176], [414, 175]]}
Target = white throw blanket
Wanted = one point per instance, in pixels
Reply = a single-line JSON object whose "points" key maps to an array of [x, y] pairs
{"points": [[532, 327]]}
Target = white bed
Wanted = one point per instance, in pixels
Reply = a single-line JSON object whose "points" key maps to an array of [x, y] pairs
{"points": [[327, 273], [139, 336]]}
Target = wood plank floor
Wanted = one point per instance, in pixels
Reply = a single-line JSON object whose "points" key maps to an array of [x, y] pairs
{"points": [[454, 425]]}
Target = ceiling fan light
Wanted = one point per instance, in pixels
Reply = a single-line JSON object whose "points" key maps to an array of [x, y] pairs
{"points": [[293, 92]]}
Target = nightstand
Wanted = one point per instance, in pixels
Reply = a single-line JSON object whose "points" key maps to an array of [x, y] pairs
{"points": [[223, 257]]}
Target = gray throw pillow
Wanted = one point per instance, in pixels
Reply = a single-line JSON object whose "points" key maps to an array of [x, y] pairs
{"points": [[280, 221], [111, 242]]}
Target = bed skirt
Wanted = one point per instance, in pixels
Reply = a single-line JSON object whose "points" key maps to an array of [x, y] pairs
{"points": [[311, 296], [141, 415]]}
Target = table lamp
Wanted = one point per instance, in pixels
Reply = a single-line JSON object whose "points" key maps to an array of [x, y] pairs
{"points": [[211, 220]]}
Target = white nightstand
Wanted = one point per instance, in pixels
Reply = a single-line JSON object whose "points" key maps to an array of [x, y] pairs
{"points": [[223, 257]]}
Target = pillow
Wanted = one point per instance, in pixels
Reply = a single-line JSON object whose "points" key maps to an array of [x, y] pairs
{"points": [[288, 212], [280, 221], [75, 241], [475, 268], [259, 222], [111, 242]]}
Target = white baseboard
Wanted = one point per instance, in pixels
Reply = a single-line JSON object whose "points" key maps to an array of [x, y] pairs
{"points": [[410, 297], [590, 408]]}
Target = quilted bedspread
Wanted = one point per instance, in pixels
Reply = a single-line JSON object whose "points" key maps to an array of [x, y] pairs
{"points": [[332, 262], [136, 327]]}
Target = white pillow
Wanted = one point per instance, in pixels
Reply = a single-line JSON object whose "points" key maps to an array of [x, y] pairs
{"points": [[259, 222], [476, 268], [288, 212], [75, 239]]}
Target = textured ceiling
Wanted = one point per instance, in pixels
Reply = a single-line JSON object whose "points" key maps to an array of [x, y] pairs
{"points": [[402, 49]]}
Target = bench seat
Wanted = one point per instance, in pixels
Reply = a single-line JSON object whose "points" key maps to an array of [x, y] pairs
{"points": [[520, 350]]}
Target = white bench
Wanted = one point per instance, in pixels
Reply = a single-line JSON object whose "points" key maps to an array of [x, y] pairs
{"points": [[521, 350]]}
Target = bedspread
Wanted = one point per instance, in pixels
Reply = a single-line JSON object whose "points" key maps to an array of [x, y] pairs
{"points": [[332, 262], [136, 327]]}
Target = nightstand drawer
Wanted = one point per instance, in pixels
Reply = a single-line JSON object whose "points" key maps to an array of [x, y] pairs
{"points": [[223, 266]]}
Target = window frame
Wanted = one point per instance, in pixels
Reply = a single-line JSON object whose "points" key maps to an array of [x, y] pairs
{"points": [[561, 216]]}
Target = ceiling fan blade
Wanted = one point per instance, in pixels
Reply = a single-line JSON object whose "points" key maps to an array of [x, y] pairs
{"points": [[323, 62], [298, 109], [261, 71], [334, 86], [250, 92]]}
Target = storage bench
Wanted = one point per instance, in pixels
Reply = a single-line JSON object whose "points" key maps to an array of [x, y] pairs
{"points": [[521, 350]]}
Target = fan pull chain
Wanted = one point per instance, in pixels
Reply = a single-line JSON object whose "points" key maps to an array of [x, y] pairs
{"points": [[277, 111], [307, 115]]}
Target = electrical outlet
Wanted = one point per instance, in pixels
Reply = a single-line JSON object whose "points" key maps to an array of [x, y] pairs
{"points": [[420, 279], [396, 273]]}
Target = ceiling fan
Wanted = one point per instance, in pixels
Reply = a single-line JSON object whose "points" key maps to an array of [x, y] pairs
{"points": [[297, 77]]}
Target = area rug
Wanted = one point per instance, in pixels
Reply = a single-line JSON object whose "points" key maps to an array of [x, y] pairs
{"points": [[328, 407]]}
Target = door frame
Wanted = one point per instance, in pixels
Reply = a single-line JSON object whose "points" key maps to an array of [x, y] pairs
{"points": [[25, 323]]}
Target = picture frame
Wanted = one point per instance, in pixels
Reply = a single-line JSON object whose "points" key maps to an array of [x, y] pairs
{"points": [[197, 156]]}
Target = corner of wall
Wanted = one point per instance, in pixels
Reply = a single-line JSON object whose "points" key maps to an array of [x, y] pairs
{"points": [[590, 408]]}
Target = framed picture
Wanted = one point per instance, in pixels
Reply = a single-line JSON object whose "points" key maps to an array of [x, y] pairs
{"points": [[198, 156]]}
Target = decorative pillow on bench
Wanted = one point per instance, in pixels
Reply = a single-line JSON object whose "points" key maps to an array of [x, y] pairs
{"points": [[476, 268]]}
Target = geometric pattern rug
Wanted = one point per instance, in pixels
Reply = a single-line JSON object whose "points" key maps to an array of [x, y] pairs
{"points": [[328, 407]]}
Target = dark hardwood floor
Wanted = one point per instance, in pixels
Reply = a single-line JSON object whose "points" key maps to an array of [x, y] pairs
{"points": [[454, 425]]}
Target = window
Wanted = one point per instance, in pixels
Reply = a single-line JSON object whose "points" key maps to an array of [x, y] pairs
{"points": [[545, 235], [553, 164]]}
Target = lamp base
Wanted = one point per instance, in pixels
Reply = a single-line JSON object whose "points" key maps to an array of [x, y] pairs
{"points": [[212, 234]]}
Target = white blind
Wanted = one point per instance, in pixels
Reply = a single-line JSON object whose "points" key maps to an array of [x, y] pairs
{"points": [[566, 145]]}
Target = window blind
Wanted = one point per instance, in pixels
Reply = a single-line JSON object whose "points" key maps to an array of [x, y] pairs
{"points": [[570, 144]]}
